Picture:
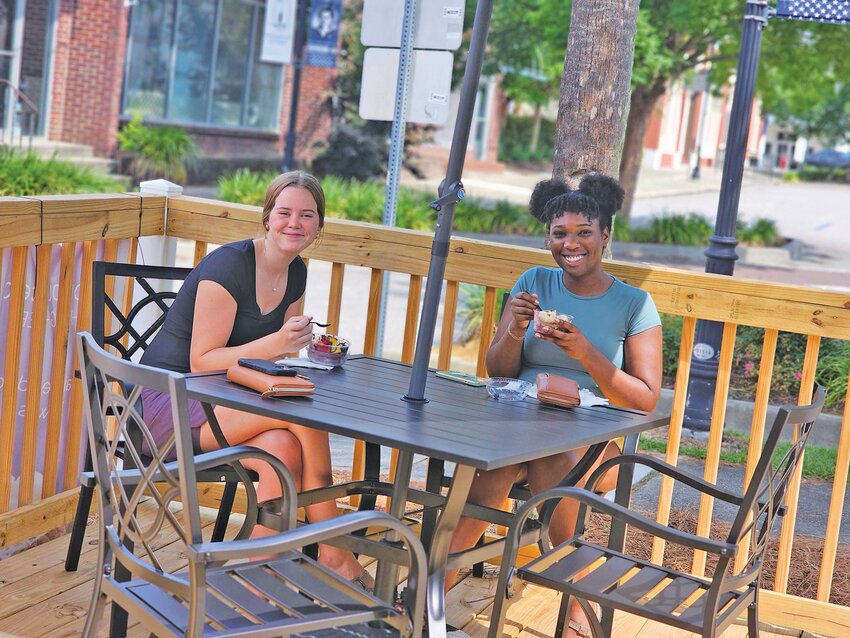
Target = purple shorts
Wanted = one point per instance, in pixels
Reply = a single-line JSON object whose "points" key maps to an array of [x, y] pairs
{"points": [[156, 411]]}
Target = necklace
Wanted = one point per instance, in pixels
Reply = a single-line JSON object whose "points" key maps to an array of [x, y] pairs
{"points": [[276, 285]]}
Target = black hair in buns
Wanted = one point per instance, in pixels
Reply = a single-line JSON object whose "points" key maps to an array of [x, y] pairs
{"points": [[605, 190], [543, 193], [598, 197]]}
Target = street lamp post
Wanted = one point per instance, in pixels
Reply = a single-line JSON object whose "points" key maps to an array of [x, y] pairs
{"points": [[303, 11], [721, 255]]}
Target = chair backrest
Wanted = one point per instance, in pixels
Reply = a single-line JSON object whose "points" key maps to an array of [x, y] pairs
{"points": [[768, 485], [131, 332], [122, 490]]}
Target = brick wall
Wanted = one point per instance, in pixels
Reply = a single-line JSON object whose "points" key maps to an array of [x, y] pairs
{"points": [[314, 110], [87, 72], [88, 69]]}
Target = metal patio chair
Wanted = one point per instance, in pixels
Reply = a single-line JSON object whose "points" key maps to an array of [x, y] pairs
{"points": [[129, 335], [615, 580], [225, 590]]}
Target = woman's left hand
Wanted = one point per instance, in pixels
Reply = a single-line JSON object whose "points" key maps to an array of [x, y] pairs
{"points": [[568, 338]]}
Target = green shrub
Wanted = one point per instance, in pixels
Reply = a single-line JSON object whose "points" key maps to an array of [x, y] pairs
{"points": [[516, 135], [471, 307], [693, 230], [682, 230], [351, 153], [762, 232], [28, 174], [364, 202], [245, 187], [791, 176], [156, 151], [822, 174]]}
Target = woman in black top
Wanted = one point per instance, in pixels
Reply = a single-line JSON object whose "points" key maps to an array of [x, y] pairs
{"points": [[240, 302]]}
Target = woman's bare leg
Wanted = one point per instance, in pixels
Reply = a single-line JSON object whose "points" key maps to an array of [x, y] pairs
{"points": [[306, 452], [490, 489], [546, 473]]}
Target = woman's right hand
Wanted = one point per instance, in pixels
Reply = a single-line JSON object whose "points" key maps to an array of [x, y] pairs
{"points": [[296, 333], [522, 309]]}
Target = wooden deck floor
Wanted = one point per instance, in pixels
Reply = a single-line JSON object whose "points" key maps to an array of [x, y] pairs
{"points": [[39, 599]]}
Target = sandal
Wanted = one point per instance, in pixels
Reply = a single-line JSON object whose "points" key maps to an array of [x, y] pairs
{"points": [[365, 581], [583, 631]]}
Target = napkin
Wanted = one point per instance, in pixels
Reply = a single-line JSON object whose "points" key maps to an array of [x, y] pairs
{"points": [[302, 362], [588, 398]]}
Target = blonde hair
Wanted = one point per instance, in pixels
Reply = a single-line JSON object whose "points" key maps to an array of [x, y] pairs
{"points": [[294, 178]]}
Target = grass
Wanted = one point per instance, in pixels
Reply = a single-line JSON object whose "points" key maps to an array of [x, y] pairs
{"points": [[818, 462], [27, 174]]}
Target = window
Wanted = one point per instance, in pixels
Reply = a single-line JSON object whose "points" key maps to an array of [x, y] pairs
{"points": [[198, 61]]}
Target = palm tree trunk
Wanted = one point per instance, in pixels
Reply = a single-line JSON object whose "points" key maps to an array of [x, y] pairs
{"points": [[594, 100], [642, 102], [535, 128]]}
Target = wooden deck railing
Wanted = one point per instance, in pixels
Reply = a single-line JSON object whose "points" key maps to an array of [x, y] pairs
{"points": [[74, 230]]}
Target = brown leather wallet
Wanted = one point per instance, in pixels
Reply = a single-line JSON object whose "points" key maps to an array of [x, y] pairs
{"points": [[556, 390], [269, 385]]}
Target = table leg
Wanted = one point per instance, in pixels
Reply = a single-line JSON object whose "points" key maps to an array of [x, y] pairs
{"points": [[387, 574], [622, 496], [434, 484], [439, 554]]}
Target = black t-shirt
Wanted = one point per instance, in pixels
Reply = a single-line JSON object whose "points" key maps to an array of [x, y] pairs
{"points": [[234, 267]]}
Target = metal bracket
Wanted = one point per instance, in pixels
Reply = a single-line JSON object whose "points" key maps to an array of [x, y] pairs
{"points": [[454, 194]]}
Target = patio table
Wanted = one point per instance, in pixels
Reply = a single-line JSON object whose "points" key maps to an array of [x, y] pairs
{"points": [[458, 423]]}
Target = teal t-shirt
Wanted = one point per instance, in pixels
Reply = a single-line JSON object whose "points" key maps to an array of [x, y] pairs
{"points": [[606, 320]]}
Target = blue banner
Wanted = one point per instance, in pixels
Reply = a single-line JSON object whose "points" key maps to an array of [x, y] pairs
{"points": [[323, 33], [832, 11]]}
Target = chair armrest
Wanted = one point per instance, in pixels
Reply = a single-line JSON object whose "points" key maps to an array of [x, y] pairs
{"points": [[672, 471], [600, 504], [231, 456], [312, 533]]}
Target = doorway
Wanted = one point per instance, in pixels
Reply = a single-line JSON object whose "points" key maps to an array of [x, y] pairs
{"points": [[26, 38]]}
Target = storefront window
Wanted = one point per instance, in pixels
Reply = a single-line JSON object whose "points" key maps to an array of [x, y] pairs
{"points": [[197, 61]]}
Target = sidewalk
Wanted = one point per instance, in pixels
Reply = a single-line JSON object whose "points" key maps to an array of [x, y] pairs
{"points": [[515, 185]]}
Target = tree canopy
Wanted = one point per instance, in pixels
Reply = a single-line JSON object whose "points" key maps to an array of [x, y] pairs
{"points": [[805, 78]]}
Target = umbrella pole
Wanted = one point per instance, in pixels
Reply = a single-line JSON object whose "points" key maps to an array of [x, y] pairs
{"points": [[450, 192]]}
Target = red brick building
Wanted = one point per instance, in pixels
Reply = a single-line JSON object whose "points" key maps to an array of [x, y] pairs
{"points": [[87, 65]]}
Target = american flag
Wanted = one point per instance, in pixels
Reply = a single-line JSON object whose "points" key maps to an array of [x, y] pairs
{"points": [[834, 11]]}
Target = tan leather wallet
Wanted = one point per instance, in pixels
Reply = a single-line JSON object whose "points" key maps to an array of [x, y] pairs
{"points": [[269, 385], [556, 390]]}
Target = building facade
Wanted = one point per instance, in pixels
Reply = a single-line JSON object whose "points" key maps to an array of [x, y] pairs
{"points": [[86, 66]]}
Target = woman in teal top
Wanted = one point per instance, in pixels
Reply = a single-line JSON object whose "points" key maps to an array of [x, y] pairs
{"points": [[612, 346]]}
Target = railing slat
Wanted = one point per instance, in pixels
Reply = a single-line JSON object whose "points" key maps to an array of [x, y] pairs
{"points": [[335, 297], [447, 331], [9, 411], [715, 438], [757, 427], [57, 372], [200, 252], [792, 497], [36, 364], [836, 504], [488, 329], [411, 317], [72, 441], [373, 312], [110, 253], [674, 434], [129, 288]]}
